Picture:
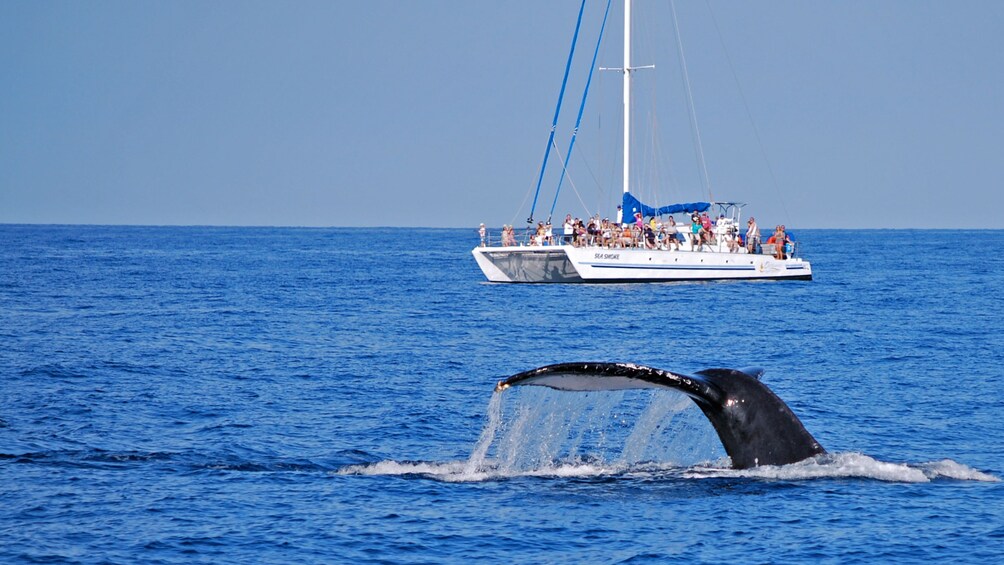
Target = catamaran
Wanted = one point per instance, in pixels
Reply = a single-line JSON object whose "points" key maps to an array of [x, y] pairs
{"points": [[684, 251]]}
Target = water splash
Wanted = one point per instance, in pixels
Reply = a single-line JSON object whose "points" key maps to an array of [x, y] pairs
{"points": [[551, 429], [476, 462], [649, 435], [552, 433]]}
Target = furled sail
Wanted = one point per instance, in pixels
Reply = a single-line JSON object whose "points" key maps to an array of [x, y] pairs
{"points": [[632, 205]]}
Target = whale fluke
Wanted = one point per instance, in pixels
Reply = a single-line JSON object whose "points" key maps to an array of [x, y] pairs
{"points": [[755, 426]]}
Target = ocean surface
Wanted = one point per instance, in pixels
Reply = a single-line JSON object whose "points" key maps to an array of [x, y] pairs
{"points": [[281, 395]]}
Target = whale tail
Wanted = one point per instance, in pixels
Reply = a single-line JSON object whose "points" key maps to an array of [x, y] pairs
{"points": [[754, 425]]}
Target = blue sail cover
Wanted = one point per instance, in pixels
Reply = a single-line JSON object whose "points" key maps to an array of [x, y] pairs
{"points": [[632, 205]]}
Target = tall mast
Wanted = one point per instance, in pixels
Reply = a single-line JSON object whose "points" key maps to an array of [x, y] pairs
{"points": [[626, 70], [627, 94]]}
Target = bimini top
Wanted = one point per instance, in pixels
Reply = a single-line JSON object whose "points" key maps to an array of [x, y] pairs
{"points": [[632, 205]]}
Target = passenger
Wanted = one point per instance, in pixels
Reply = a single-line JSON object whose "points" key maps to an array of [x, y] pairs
{"points": [[672, 241], [581, 235], [620, 215], [720, 230], [538, 236], [708, 231], [649, 237], [789, 246], [779, 240], [734, 242], [482, 233], [629, 237], [695, 231], [568, 229], [548, 233], [752, 235], [625, 237]]}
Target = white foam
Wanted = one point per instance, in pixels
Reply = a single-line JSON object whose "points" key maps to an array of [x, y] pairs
{"points": [[842, 465], [460, 471], [946, 468], [830, 466], [852, 465], [396, 468]]}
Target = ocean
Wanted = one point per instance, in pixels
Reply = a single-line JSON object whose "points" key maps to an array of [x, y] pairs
{"points": [[287, 395]]}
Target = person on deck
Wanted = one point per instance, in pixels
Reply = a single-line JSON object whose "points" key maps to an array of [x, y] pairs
{"points": [[735, 241], [752, 235], [538, 237], [649, 236], [482, 233], [672, 241], [780, 238], [789, 246], [695, 231]]}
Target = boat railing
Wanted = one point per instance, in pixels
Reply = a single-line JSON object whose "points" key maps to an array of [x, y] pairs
{"points": [[791, 249], [526, 239], [492, 240]]}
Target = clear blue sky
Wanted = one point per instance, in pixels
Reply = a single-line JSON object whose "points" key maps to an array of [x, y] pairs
{"points": [[435, 113]]}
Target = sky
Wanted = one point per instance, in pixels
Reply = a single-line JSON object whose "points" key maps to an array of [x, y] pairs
{"points": [[434, 113]]}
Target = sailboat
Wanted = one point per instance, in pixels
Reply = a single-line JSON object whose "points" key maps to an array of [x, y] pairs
{"points": [[629, 249]]}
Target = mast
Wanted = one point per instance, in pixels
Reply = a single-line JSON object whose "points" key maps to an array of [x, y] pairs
{"points": [[627, 70], [627, 95]]}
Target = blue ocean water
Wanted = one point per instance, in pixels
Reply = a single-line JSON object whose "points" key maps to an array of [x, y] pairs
{"points": [[278, 395]]}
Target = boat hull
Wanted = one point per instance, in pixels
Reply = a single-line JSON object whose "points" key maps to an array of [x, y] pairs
{"points": [[568, 264], [526, 265]]}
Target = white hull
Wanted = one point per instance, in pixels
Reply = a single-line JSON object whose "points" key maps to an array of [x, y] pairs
{"points": [[568, 264]]}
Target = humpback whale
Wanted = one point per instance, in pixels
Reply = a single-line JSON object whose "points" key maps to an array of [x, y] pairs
{"points": [[754, 425]]}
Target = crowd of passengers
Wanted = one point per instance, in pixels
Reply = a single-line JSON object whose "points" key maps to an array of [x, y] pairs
{"points": [[653, 234]]}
